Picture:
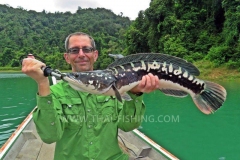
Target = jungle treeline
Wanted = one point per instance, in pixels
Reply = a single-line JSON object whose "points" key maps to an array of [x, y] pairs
{"points": [[191, 29]]}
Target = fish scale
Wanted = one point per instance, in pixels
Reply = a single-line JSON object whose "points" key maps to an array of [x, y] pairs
{"points": [[176, 78]]}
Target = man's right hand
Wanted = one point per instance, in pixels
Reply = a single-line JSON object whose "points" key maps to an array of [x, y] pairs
{"points": [[33, 68]]}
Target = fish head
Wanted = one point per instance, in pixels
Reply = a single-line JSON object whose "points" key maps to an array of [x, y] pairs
{"points": [[96, 82]]}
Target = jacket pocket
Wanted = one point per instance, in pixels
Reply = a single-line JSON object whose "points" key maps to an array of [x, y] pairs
{"points": [[107, 110], [73, 112]]}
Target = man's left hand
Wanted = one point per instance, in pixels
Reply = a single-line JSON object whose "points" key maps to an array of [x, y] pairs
{"points": [[148, 84]]}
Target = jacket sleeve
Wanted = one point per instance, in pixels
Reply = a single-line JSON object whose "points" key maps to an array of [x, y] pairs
{"points": [[131, 113], [48, 118]]}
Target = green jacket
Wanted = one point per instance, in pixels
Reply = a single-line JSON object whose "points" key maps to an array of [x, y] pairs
{"points": [[83, 125]]}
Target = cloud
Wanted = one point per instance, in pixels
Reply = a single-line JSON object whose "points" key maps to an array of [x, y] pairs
{"points": [[127, 7], [73, 5]]}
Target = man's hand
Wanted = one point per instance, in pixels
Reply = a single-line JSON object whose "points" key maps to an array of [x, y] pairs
{"points": [[148, 84], [33, 68]]}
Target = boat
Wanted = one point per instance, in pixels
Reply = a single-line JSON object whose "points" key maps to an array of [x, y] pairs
{"points": [[25, 144]]}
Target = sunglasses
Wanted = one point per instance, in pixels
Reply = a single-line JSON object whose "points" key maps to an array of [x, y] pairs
{"points": [[75, 50]]}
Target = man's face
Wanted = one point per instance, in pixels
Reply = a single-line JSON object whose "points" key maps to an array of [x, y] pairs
{"points": [[81, 61]]}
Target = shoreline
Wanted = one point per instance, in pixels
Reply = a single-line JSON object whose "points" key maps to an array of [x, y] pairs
{"points": [[207, 72]]}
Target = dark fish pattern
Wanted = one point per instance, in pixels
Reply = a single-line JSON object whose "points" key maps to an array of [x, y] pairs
{"points": [[120, 60], [176, 78]]}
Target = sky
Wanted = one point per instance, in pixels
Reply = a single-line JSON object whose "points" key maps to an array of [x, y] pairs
{"points": [[129, 8]]}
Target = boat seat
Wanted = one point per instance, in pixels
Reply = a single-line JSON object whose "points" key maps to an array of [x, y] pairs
{"points": [[28, 151], [145, 158], [144, 151], [28, 134]]}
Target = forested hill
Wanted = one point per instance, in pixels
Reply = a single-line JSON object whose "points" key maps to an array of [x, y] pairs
{"points": [[44, 33], [191, 29]]}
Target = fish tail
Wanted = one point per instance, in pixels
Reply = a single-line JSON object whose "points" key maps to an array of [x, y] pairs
{"points": [[211, 98]]}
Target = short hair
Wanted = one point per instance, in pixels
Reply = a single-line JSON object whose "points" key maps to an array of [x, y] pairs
{"points": [[79, 34]]}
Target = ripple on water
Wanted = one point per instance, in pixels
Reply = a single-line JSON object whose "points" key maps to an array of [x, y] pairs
{"points": [[6, 125], [7, 131], [16, 94], [5, 136], [10, 107], [12, 119], [3, 115]]}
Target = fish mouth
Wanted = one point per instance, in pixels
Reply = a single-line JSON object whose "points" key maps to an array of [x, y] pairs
{"points": [[74, 75]]}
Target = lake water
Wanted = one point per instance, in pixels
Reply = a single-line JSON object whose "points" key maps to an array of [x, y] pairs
{"points": [[17, 99], [177, 125], [174, 123]]}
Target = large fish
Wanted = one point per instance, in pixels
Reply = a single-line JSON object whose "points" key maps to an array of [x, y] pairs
{"points": [[177, 78]]}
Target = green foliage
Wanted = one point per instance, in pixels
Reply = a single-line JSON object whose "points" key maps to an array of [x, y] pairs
{"points": [[193, 30], [219, 54], [43, 33], [136, 36], [233, 64], [194, 57], [175, 47]]}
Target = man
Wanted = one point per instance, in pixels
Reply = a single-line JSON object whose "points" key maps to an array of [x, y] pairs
{"points": [[83, 125]]}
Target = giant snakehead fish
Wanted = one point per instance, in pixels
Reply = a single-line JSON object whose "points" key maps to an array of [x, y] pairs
{"points": [[177, 77]]}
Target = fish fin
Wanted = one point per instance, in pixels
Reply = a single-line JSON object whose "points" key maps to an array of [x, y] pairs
{"points": [[157, 57], [116, 56], [126, 97], [117, 94], [211, 99], [175, 93]]}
